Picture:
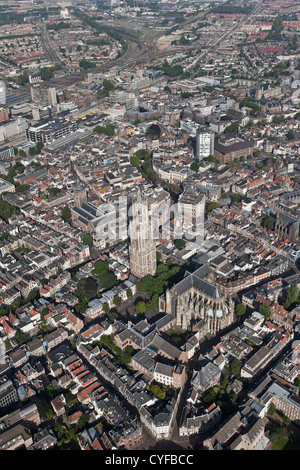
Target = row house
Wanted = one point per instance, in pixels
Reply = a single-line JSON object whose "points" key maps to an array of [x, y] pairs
{"points": [[58, 405], [169, 375], [198, 419], [17, 357], [95, 308], [235, 346], [61, 316], [282, 317], [54, 338], [48, 290], [131, 337], [93, 438], [29, 372], [127, 435], [35, 347], [9, 296], [158, 418], [7, 326], [29, 284], [86, 394]]}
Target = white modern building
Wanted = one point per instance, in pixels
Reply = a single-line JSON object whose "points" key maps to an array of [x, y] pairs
{"points": [[204, 143]]}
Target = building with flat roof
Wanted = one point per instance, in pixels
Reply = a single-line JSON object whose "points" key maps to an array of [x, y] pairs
{"points": [[229, 147], [50, 131], [205, 139]]}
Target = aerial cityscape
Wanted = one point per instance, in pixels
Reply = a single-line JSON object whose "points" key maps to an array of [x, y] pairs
{"points": [[149, 226]]}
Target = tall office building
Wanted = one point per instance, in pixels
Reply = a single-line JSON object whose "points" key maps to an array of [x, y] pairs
{"points": [[204, 143], [142, 250], [4, 117], [52, 96]]}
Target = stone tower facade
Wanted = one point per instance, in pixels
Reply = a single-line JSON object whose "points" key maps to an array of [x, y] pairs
{"points": [[80, 195], [142, 250]]}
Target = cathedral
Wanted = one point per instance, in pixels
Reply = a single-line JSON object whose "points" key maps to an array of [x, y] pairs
{"points": [[196, 303]]}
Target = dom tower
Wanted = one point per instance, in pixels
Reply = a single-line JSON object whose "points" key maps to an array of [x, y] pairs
{"points": [[142, 250]]}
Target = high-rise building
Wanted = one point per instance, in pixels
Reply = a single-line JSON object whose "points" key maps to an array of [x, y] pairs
{"points": [[4, 117], [142, 250], [52, 96], [204, 143]]}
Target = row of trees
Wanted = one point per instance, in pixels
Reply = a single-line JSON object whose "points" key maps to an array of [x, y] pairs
{"points": [[108, 130]]}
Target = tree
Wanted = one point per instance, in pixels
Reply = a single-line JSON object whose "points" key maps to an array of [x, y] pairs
{"points": [[105, 308], [240, 309], [87, 239], [6, 210], [179, 243], [235, 367], [83, 420], [292, 296], [86, 64], [22, 338], [66, 214], [212, 206], [140, 307], [107, 278], [108, 281], [153, 131], [32, 295], [108, 130], [135, 161], [129, 293], [236, 197], [297, 382], [158, 391], [234, 128], [117, 301], [194, 166], [265, 310], [268, 222]]}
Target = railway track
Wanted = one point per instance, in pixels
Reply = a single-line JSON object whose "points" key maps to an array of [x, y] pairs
{"points": [[148, 52]]}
